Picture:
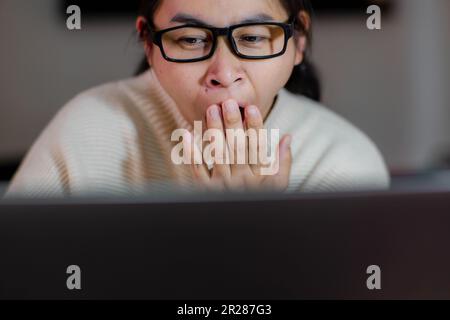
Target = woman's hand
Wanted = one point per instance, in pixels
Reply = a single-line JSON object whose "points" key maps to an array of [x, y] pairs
{"points": [[235, 176]]}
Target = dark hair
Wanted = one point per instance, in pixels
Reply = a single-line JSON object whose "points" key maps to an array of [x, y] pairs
{"points": [[304, 79]]}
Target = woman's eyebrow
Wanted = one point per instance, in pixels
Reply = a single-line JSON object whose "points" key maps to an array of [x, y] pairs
{"points": [[261, 17], [190, 19]]}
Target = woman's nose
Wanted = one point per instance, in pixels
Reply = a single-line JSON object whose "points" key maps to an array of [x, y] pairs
{"points": [[225, 68]]}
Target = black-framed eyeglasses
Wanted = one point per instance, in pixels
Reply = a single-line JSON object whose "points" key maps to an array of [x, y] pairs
{"points": [[192, 42]]}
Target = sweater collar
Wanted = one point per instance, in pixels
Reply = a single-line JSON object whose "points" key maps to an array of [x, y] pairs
{"points": [[162, 97], [275, 117]]}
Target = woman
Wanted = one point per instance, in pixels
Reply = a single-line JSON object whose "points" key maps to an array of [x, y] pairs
{"points": [[224, 64]]}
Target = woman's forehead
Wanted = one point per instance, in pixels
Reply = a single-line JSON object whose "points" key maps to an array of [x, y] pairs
{"points": [[219, 12]]}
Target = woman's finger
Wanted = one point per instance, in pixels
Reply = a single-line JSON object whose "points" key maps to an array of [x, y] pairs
{"points": [[199, 170], [285, 163], [256, 142], [235, 137], [215, 126]]}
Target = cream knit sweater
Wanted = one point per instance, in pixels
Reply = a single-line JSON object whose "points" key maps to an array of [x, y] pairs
{"points": [[115, 140]]}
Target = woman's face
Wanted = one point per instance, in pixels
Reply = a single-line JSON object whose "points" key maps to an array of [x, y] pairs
{"points": [[196, 86]]}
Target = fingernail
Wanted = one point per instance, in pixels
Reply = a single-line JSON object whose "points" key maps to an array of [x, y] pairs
{"points": [[187, 136], [289, 141], [252, 111], [231, 106], [214, 112]]}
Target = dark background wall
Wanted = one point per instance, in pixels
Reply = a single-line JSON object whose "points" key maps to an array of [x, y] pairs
{"points": [[120, 8]]}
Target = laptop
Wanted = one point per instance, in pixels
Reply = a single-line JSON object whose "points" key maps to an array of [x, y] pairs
{"points": [[368, 245]]}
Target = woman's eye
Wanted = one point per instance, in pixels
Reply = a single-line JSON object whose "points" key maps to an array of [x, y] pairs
{"points": [[252, 39], [191, 41]]}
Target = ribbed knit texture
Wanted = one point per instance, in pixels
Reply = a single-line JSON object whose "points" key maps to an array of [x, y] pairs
{"points": [[115, 139]]}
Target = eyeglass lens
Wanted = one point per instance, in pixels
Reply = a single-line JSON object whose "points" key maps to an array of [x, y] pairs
{"points": [[195, 42]]}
